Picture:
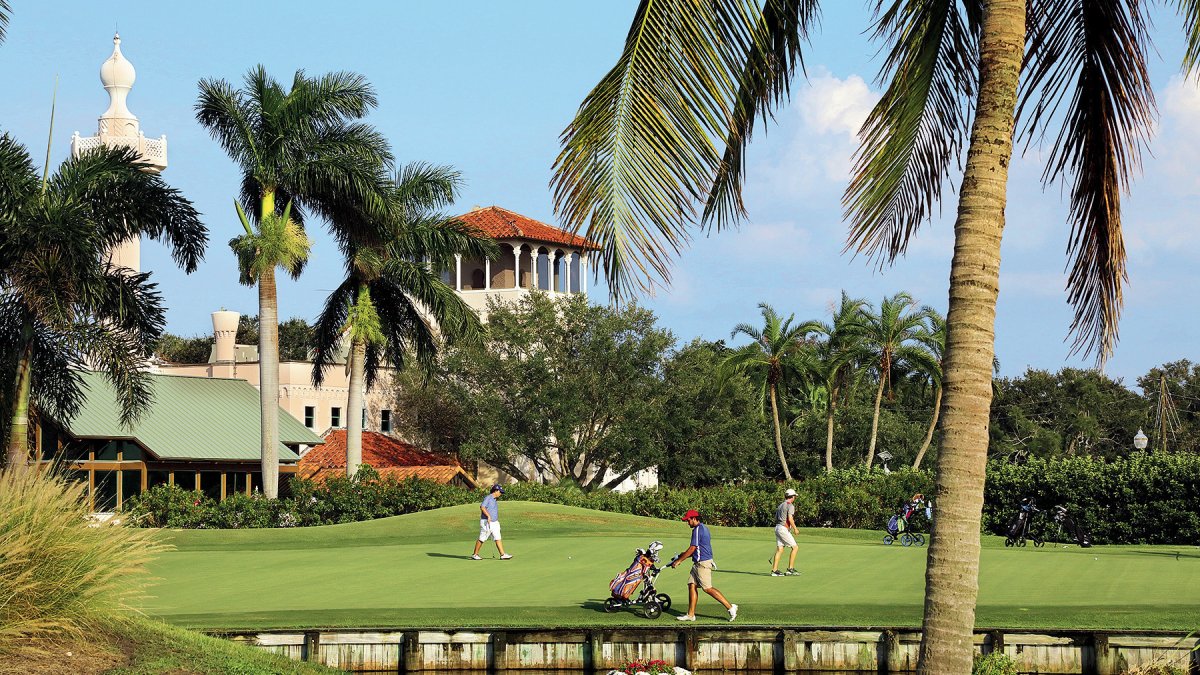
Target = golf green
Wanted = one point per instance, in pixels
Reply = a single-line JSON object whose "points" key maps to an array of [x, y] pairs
{"points": [[415, 570]]}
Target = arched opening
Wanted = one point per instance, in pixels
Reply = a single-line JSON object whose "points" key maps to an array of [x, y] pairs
{"points": [[477, 279], [504, 268], [545, 275]]}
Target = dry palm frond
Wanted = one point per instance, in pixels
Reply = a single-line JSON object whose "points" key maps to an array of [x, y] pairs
{"points": [[1087, 76]]}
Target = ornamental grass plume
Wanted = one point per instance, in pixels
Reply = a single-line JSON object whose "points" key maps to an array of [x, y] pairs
{"points": [[59, 574]]}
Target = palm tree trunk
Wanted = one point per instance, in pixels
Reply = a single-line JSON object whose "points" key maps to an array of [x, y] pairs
{"points": [[268, 380], [787, 474], [829, 411], [18, 434], [354, 406], [937, 403], [952, 570], [875, 423]]}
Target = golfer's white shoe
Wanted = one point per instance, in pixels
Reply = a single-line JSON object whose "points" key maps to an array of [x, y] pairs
{"points": [[506, 556], [732, 612], [476, 557], [686, 617]]}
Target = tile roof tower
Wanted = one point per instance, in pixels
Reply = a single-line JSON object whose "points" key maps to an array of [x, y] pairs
{"points": [[119, 128]]}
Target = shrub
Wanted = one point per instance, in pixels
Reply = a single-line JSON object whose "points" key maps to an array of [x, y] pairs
{"points": [[59, 575], [994, 663]]}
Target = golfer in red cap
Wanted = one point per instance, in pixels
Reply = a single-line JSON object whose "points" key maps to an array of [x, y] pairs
{"points": [[701, 554]]}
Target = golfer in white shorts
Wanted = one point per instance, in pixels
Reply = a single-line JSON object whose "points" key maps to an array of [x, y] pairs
{"points": [[489, 523], [785, 525]]}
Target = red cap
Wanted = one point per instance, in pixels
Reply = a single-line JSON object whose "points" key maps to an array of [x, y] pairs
{"points": [[691, 514]]}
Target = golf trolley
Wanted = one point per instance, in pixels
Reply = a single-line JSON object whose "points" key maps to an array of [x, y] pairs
{"points": [[1070, 527], [642, 572], [1018, 532], [897, 526]]}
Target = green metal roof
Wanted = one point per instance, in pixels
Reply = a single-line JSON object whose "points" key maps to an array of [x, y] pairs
{"points": [[196, 418]]}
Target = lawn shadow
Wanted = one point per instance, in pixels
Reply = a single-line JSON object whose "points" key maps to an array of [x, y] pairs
{"points": [[753, 574], [448, 555], [1170, 554]]}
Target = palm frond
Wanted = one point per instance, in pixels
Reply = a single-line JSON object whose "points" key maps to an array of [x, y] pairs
{"points": [[329, 328], [422, 187], [124, 300], [5, 11], [764, 83], [18, 178], [230, 120], [1088, 76], [918, 127], [327, 99], [119, 356], [1190, 10], [641, 153]]}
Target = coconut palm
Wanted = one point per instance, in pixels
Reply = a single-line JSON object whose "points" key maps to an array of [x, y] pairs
{"points": [[297, 149], [658, 147], [393, 305], [837, 360], [931, 372], [772, 362], [63, 306], [894, 338]]}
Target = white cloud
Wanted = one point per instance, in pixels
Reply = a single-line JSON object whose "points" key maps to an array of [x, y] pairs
{"points": [[829, 105]]}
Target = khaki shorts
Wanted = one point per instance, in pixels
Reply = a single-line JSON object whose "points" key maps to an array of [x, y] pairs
{"points": [[783, 537], [701, 575]]}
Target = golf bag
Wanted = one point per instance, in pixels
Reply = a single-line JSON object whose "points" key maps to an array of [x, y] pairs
{"points": [[1018, 532], [624, 584], [1071, 526], [643, 572]]}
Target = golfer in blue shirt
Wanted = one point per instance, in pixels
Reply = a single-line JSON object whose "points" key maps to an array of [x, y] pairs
{"points": [[701, 554], [489, 523]]}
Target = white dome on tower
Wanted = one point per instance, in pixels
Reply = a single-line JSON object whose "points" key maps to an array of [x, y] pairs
{"points": [[117, 75], [117, 71]]}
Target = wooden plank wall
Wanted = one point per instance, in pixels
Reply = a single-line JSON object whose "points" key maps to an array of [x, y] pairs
{"points": [[778, 650]]}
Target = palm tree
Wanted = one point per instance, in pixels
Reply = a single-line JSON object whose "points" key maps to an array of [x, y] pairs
{"points": [[931, 372], [664, 133], [771, 361], [393, 304], [299, 149], [63, 306], [894, 338], [838, 356]]}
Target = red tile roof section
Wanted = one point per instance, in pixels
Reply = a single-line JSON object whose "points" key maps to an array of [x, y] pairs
{"points": [[389, 456], [499, 223]]}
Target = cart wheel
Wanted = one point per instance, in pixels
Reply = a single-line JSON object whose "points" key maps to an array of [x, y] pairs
{"points": [[888, 539], [1008, 542], [664, 600], [1021, 542], [1038, 543], [612, 605], [920, 539], [906, 539], [653, 609]]}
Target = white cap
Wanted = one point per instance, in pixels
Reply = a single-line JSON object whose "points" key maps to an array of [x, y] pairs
{"points": [[789, 493]]}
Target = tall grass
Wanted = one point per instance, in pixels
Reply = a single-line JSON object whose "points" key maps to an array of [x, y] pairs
{"points": [[59, 574]]}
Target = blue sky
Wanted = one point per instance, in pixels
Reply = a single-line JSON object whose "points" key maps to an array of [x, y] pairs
{"points": [[487, 87]]}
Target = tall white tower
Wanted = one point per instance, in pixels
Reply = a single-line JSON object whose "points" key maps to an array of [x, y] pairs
{"points": [[119, 128]]}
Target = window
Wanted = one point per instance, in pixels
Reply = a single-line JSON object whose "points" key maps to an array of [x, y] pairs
{"points": [[335, 417], [310, 414], [385, 421]]}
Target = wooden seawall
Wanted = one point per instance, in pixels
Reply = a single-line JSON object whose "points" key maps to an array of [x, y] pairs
{"points": [[744, 649]]}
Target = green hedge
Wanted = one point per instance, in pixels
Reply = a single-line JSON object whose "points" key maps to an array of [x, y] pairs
{"points": [[1148, 498]]}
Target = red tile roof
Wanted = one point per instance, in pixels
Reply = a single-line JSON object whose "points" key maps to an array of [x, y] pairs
{"points": [[389, 456], [499, 223]]}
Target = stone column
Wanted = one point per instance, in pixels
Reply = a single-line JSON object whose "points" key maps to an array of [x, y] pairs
{"points": [[516, 266], [583, 263], [534, 276], [487, 274], [457, 272]]}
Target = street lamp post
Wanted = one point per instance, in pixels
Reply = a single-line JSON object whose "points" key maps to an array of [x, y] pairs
{"points": [[1140, 441]]}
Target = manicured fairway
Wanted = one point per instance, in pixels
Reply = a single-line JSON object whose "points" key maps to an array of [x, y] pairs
{"points": [[414, 571]]}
